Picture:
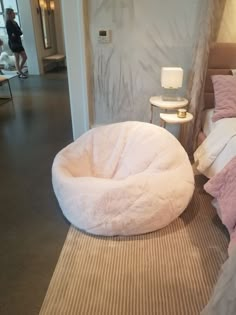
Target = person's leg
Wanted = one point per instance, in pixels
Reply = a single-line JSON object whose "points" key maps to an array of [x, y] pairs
{"points": [[23, 60], [17, 61]]}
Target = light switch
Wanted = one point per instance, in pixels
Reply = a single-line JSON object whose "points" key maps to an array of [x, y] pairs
{"points": [[104, 36]]}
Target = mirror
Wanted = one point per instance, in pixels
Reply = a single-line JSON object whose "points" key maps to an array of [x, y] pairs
{"points": [[46, 8]]}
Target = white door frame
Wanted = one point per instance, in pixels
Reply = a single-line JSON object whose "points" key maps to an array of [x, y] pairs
{"points": [[74, 34]]}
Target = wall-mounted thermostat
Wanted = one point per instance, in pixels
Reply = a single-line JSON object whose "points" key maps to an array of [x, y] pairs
{"points": [[104, 36]]}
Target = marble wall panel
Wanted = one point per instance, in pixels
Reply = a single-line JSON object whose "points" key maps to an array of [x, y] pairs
{"points": [[146, 35]]}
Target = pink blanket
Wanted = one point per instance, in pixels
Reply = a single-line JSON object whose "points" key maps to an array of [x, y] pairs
{"points": [[223, 187]]}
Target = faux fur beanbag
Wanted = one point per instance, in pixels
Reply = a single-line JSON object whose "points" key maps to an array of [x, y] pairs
{"points": [[123, 179]]}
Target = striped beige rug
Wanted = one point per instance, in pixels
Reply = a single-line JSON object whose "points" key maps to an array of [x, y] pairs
{"points": [[168, 272]]}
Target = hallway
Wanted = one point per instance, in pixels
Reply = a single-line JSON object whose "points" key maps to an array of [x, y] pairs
{"points": [[32, 226]]}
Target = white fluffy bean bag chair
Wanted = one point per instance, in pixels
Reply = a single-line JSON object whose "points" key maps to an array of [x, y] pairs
{"points": [[123, 179]]}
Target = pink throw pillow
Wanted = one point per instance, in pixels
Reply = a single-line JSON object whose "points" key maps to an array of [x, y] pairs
{"points": [[225, 96]]}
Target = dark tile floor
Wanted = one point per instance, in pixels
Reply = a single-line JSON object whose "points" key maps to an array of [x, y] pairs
{"points": [[32, 227]]}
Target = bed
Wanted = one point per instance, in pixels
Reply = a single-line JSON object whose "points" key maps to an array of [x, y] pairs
{"points": [[212, 155], [215, 158]]}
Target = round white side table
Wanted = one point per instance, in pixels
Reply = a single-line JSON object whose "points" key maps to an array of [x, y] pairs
{"points": [[174, 119], [157, 101]]}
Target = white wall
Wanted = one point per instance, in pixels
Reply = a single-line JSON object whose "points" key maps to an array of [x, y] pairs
{"points": [[73, 21], [28, 27], [146, 35]]}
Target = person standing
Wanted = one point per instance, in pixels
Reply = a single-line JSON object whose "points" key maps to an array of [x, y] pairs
{"points": [[14, 41]]}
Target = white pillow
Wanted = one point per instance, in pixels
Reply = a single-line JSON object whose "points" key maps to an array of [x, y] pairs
{"points": [[215, 204], [208, 124], [233, 71]]}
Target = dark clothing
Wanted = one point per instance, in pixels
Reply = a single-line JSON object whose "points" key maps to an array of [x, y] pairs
{"points": [[14, 36]]}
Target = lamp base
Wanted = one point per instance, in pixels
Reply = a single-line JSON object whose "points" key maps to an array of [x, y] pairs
{"points": [[166, 98]]}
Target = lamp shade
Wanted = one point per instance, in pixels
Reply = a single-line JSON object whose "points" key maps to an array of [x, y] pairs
{"points": [[171, 77]]}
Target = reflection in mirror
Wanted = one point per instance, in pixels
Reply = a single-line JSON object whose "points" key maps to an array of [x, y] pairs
{"points": [[46, 8]]}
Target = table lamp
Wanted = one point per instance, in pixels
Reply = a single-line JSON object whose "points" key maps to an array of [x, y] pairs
{"points": [[171, 81]]}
